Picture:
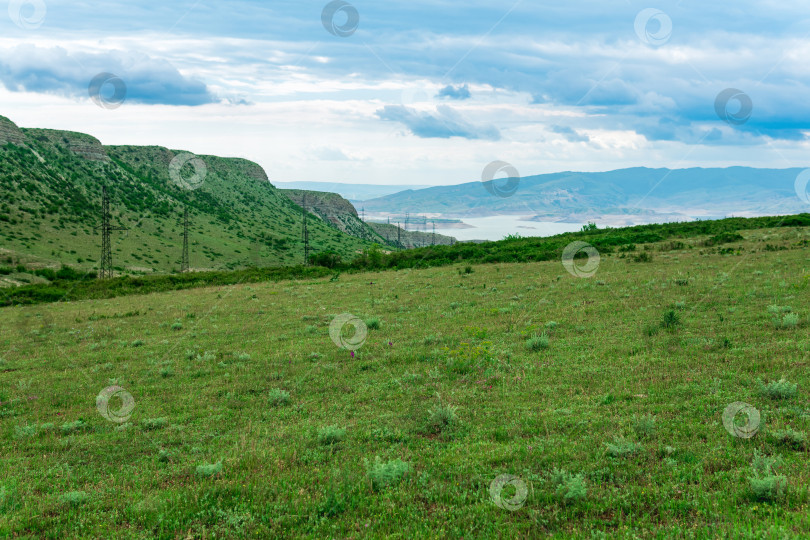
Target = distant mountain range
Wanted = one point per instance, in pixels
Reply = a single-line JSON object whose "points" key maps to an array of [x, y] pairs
{"points": [[617, 197], [352, 192]]}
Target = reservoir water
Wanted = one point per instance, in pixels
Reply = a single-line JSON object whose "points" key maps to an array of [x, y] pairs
{"points": [[497, 227]]}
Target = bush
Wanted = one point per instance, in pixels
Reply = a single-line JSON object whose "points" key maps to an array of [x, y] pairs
{"points": [[152, 424], [765, 484], [73, 427], [781, 389], [536, 343], [331, 435], [278, 397], [644, 427], [74, 498], [69, 274], [209, 470], [385, 474], [569, 487], [327, 259], [788, 320], [622, 448], [442, 417], [791, 439], [723, 238]]}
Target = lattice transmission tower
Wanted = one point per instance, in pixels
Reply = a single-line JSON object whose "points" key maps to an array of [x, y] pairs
{"points": [[184, 262], [305, 231], [106, 269]]}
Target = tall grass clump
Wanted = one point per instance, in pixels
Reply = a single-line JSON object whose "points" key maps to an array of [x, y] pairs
{"points": [[373, 323], [386, 474], [442, 417], [537, 343], [670, 321]]}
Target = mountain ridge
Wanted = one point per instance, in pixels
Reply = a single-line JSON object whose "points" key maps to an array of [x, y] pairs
{"points": [[687, 193]]}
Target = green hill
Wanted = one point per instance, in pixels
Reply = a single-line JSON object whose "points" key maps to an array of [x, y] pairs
{"points": [[51, 185]]}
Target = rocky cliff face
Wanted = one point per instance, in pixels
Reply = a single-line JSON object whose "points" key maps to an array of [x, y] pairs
{"points": [[335, 210], [79, 144], [10, 133]]}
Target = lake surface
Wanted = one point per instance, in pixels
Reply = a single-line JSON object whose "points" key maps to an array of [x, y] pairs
{"points": [[497, 227]]}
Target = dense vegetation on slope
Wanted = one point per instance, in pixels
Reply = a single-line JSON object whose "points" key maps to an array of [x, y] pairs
{"points": [[529, 249], [633, 242], [50, 207]]}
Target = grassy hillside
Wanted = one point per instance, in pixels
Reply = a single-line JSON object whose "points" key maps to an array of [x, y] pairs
{"points": [[603, 397], [50, 188], [66, 284]]}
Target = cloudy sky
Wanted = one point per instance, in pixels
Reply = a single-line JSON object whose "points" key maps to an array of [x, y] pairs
{"points": [[423, 91]]}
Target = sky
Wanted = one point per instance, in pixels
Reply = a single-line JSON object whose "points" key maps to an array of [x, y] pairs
{"points": [[420, 92]]}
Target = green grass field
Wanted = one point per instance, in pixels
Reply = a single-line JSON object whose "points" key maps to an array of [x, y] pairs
{"points": [[602, 397]]}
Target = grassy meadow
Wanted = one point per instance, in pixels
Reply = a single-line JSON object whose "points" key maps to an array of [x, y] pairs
{"points": [[602, 398]]}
